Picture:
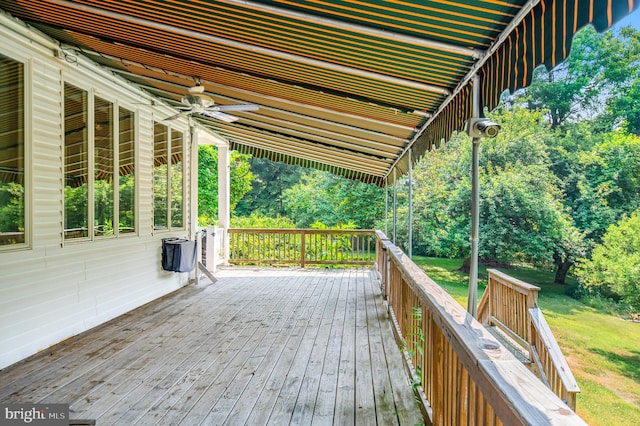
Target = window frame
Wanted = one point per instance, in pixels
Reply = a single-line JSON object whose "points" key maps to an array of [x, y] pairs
{"points": [[169, 146], [27, 102], [92, 93]]}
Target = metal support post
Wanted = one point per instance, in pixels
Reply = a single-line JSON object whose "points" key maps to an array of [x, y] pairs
{"points": [[395, 205], [410, 225], [472, 303]]}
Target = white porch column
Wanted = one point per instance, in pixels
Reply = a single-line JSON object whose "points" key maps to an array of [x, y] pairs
{"points": [[193, 196], [224, 198]]}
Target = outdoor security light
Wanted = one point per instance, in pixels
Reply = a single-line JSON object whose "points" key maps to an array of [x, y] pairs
{"points": [[482, 128]]}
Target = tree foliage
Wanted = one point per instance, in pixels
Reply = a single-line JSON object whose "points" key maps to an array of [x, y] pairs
{"points": [[608, 183], [522, 217], [271, 180], [614, 267], [333, 200], [240, 182]]}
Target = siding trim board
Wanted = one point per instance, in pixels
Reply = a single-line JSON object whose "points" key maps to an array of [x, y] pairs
{"points": [[50, 289]]}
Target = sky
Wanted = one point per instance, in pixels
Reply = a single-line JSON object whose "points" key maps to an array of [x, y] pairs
{"points": [[632, 20]]}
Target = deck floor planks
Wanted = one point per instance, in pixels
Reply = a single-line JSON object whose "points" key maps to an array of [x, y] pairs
{"points": [[257, 347], [166, 375], [244, 405], [108, 340], [365, 406], [266, 400], [189, 392], [323, 410], [308, 393], [156, 377], [377, 318], [405, 407], [140, 354], [215, 405], [283, 408], [344, 413]]}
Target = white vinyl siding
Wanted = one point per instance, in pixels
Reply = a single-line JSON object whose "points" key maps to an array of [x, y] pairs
{"points": [[52, 289]]}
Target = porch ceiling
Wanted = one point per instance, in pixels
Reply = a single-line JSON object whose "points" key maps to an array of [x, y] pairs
{"points": [[343, 85]]}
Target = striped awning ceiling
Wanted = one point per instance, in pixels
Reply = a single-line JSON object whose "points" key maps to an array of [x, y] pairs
{"points": [[343, 85]]}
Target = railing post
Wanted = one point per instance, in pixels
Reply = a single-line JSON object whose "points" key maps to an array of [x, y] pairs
{"points": [[303, 248]]}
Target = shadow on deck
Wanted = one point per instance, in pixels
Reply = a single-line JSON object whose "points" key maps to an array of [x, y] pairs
{"points": [[260, 346]]}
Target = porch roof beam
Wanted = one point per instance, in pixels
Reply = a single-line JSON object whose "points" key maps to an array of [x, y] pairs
{"points": [[258, 49]]}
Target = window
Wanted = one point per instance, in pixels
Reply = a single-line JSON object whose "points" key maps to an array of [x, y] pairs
{"points": [[103, 185], [12, 157], [176, 174], [76, 163], [103, 206], [127, 188], [168, 200], [160, 174]]}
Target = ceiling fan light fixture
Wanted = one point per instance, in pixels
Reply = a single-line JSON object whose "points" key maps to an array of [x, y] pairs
{"points": [[196, 89]]}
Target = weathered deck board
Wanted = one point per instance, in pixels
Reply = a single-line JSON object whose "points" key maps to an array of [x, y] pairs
{"points": [[257, 347]]}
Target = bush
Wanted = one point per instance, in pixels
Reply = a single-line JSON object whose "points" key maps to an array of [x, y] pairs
{"points": [[256, 220]]}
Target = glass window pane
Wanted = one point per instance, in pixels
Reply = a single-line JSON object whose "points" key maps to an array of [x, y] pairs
{"points": [[12, 200], [127, 183], [177, 191], [160, 172], [103, 168], [76, 195]]}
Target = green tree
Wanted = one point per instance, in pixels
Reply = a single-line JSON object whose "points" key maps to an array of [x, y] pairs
{"points": [[571, 90], [621, 54], [333, 200], [608, 184], [522, 218], [614, 267], [272, 178], [240, 175]]}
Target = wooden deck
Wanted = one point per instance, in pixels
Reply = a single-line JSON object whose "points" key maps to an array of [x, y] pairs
{"points": [[260, 346]]}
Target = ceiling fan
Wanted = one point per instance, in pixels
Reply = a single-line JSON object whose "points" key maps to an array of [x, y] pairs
{"points": [[198, 103]]}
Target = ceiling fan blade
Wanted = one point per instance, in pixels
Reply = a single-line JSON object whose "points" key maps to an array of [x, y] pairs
{"points": [[221, 116], [173, 117], [242, 107], [190, 99]]}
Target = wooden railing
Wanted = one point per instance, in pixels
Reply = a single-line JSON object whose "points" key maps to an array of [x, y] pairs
{"points": [[512, 306], [465, 375], [505, 304], [301, 247]]}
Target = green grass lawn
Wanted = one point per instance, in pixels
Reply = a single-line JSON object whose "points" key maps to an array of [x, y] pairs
{"points": [[603, 350]]}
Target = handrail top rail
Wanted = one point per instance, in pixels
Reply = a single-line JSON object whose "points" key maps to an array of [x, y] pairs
{"points": [[302, 231], [563, 370], [512, 282], [381, 235], [514, 391]]}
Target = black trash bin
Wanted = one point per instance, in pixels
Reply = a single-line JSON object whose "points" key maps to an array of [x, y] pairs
{"points": [[178, 254]]}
